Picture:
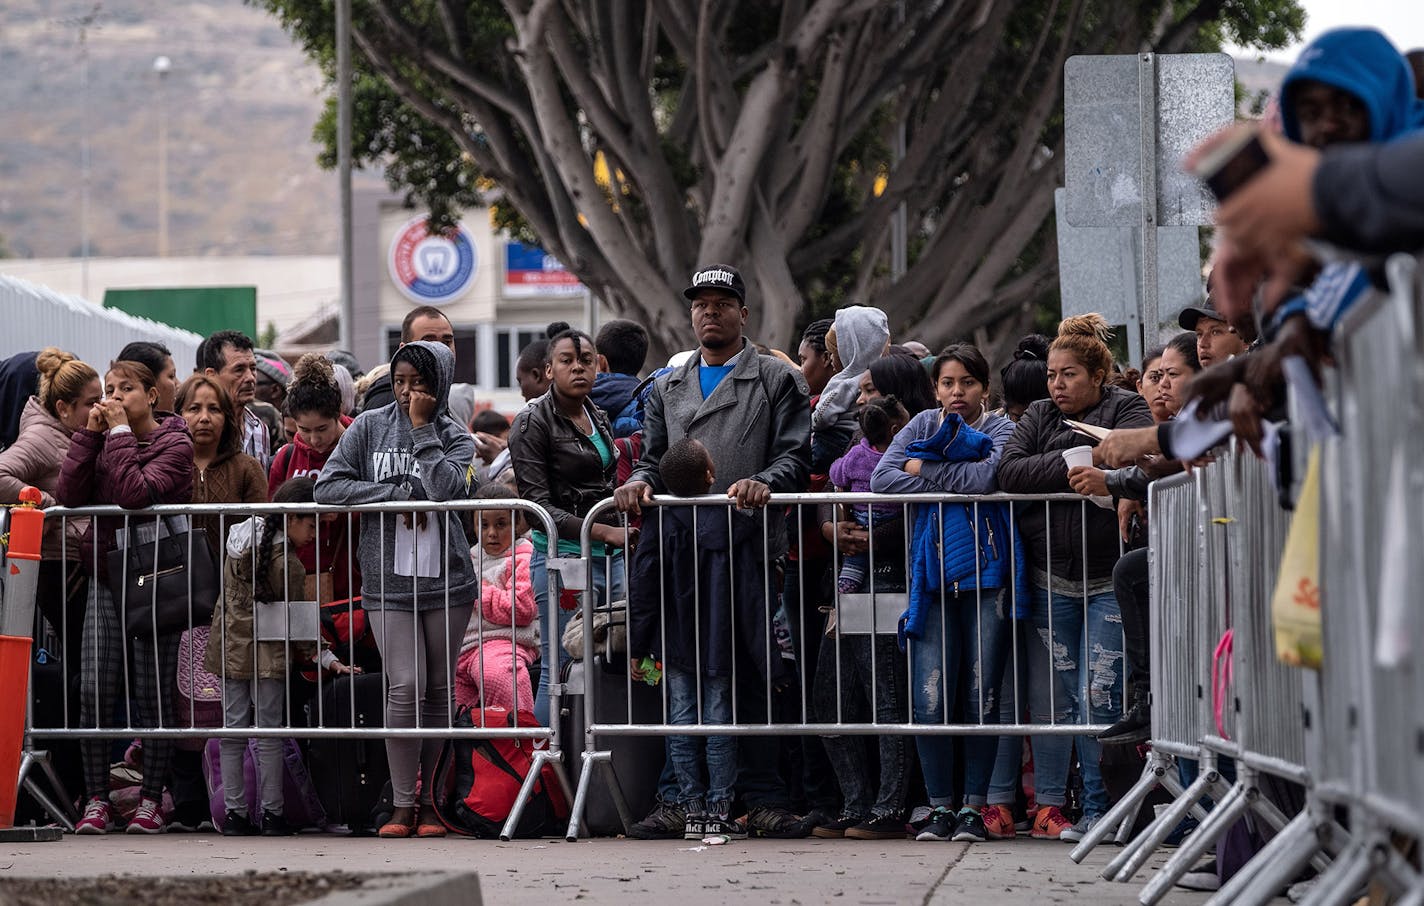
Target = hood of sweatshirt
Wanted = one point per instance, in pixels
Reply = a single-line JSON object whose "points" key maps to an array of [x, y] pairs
{"points": [[861, 335], [19, 380], [1364, 63], [436, 364], [613, 392]]}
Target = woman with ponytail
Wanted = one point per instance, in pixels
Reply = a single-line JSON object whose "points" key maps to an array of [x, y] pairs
{"points": [[68, 389], [1075, 669]]}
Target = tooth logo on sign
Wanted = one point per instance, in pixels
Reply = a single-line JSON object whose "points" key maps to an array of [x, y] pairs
{"points": [[432, 269]]}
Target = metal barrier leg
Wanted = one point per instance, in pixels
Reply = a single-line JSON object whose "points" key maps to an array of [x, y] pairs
{"points": [[1124, 814], [60, 811], [1124, 827], [1345, 877], [1174, 786], [1275, 866], [1227, 812], [620, 802], [580, 798], [1140, 850], [526, 791]]}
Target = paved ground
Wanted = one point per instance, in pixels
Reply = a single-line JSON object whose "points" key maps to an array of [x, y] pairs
{"points": [[547, 872]]}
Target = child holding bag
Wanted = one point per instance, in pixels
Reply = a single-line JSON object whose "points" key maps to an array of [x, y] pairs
{"points": [[261, 565]]}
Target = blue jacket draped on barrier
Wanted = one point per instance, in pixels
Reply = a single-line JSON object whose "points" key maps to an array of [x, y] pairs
{"points": [[946, 553]]}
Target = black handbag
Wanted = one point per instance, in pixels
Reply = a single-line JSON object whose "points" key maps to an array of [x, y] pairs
{"points": [[166, 585]]}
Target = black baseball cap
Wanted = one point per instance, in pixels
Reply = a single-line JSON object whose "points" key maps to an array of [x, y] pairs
{"points": [[1190, 316], [721, 277]]}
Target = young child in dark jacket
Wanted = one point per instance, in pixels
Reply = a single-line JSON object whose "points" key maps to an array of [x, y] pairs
{"points": [[880, 420], [697, 602]]}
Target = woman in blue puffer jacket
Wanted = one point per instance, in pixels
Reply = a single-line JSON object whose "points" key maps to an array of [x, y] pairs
{"points": [[963, 556]]}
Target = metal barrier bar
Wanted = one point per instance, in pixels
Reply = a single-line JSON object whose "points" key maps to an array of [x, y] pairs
{"points": [[291, 625], [856, 673]]}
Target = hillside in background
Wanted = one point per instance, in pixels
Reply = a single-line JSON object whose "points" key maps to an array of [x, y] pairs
{"points": [[241, 101]]}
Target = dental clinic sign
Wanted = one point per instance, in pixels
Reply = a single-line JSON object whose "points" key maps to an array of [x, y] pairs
{"points": [[430, 268]]}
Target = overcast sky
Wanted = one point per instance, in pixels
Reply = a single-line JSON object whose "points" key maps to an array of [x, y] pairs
{"points": [[1402, 21]]}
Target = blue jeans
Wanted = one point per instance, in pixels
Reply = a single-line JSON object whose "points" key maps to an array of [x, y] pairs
{"points": [[963, 647], [549, 637], [1008, 764], [706, 766], [1078, 695]]}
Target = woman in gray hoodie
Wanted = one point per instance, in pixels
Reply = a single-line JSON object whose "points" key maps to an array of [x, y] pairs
{"points": [[415, 566]]}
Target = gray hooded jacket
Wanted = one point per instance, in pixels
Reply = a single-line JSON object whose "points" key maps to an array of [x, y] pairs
{"points": [[383, 457]]}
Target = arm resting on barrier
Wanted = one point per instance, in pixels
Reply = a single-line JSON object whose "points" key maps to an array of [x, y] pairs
{"points": [[1022, 470], [167, 476]]}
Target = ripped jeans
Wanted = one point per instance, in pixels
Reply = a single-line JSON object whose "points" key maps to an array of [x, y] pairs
{"points": [[1097, 642]]}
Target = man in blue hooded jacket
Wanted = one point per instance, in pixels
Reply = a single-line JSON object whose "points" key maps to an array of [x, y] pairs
{"points": [[1349, 85]]}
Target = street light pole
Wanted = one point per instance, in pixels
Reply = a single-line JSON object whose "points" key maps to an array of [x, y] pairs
{"points": [[343, 166], [162, 65]]}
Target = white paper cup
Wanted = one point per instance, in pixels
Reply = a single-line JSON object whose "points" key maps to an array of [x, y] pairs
{"points": [[1078, 456]]}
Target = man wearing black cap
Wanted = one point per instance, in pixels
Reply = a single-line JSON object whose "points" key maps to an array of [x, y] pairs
{"points": [[1217, 340], [752, 413]]}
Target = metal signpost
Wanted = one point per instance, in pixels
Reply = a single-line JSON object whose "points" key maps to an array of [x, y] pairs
{"points": [[1128, 121]]}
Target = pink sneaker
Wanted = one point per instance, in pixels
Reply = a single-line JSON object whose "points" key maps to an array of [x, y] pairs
{"points": [[147, 820], [98, 818]]}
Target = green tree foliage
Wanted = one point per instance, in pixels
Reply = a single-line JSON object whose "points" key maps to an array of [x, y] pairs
{"points": [[635, 139]]}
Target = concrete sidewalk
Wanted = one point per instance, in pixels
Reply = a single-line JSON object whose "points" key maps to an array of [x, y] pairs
{"points": [[545, 872]]}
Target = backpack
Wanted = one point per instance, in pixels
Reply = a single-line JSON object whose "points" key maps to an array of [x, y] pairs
{"points": [[300, 804], [200, 694], [478, 780]]}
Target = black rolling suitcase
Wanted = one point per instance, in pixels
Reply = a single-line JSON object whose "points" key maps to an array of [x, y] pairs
{"points": [[637, 760], [349, 773]]}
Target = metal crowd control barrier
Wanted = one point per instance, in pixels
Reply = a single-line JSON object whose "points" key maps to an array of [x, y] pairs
{"points": [[1372, 720], [1178, 645], [1216, 538], [875, 613], [292, 623]]}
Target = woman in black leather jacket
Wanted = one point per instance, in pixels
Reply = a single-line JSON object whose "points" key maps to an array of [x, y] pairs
{"points": [[561, 448], [1080, 673]]}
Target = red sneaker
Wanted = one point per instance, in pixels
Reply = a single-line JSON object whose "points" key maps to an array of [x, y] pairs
{"points": [[999, 822], [147, 820], [1049, 823], [98, 818]]}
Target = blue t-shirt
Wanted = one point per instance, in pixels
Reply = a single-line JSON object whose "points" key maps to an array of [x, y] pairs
{"points": [[709, 376]]}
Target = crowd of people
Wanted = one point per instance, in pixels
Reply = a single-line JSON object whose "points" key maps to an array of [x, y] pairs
{"points": [[1016, 612]]}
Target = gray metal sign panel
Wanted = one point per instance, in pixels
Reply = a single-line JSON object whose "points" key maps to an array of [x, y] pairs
{"points": [[1099, 267], [1102, 108]]}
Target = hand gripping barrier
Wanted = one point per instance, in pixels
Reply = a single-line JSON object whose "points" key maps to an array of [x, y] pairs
{"points": [[404, 530], [875, 688]]}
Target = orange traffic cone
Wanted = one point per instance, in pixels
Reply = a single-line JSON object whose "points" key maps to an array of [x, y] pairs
{"points": [[22, 567]]}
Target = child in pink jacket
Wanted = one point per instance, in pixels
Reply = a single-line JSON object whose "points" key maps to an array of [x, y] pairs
{"points": [[502, 639]]}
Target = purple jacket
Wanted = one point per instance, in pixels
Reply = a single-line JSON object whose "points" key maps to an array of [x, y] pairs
{"points": [[104, 469]]}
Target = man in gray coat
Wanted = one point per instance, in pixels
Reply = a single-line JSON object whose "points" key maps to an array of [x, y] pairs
{"points": [[752, 413]]}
